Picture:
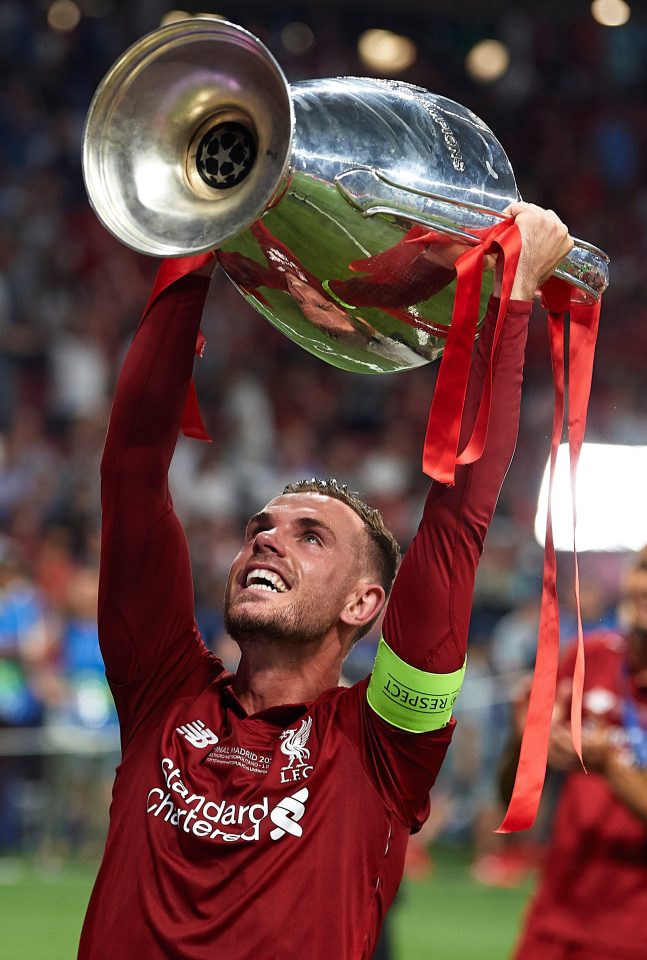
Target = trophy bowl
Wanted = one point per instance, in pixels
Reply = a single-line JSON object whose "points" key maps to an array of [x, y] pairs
{"points": [[337, 206]]}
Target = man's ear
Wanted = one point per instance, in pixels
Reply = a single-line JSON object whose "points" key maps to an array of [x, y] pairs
{"points": [[364, 603]]}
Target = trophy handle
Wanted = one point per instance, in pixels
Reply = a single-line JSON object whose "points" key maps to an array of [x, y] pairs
{"points": [[374, 193]]}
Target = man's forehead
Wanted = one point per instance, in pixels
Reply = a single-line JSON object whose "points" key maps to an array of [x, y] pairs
{"points": [[312, 504]]}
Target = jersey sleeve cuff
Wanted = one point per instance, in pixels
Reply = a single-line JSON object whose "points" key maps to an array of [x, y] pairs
{"points": [[514, 306]]}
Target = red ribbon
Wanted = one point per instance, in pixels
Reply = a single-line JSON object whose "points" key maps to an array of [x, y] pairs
{"points": [[583, 329], [170, 272], [531, 769], [583, 332], [441, 457]]}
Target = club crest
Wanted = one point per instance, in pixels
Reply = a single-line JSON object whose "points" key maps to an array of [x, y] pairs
{"points": [[294, 747]]}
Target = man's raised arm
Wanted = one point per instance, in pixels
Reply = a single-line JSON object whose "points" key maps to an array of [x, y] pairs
{"points": [[421, 658], [145, 589]]}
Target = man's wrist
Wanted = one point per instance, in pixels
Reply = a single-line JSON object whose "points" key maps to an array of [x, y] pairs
{"points": [[600, 759], [610, 764], [522, 289]]}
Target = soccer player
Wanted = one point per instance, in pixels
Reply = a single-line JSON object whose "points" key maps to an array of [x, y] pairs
{"points": [[591, 903], [265, 814]]}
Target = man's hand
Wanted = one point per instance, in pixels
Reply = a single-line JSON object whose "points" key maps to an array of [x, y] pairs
{"points": [[561, 753], [597, 748], [545, 241]]}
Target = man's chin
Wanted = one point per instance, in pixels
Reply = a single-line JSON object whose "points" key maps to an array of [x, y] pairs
{"points": [[250, 619], [263, 622]]}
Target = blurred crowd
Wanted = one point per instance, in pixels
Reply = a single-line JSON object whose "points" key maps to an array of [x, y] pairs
{"points": [[569, 112]]}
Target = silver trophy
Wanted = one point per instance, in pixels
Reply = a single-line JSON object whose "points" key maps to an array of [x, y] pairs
{"points": [[338, 206]]}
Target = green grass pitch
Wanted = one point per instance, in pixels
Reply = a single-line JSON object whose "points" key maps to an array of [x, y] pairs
{"points": [[448, 915]]}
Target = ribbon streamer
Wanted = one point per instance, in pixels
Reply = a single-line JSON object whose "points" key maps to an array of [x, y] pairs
{"points": [[583, 329], [441, 457]]}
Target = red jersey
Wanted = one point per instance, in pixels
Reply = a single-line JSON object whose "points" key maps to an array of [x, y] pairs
{"points": [[593, 891], [283, 833]]}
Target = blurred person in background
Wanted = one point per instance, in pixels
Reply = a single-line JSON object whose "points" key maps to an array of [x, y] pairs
{"points": [[25, 665], [507, 859], [273, 806], [82, 722], [591, 903]]}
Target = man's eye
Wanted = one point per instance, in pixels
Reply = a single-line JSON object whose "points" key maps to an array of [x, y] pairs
{"points": [[311, 538]]}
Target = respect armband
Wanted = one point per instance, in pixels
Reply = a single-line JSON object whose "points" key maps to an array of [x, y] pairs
{"points": [[411, 699]]}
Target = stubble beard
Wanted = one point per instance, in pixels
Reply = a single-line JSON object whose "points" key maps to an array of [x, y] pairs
{"points": [[300, 624]]}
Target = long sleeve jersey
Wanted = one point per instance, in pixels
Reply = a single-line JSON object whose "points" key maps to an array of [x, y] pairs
{"points": [[280, 834]]}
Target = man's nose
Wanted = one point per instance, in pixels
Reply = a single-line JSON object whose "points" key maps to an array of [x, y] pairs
{"points": [[269, 540]]}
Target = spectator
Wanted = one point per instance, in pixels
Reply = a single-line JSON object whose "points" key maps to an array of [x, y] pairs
{"points": [[24, 657], [592, 897]]}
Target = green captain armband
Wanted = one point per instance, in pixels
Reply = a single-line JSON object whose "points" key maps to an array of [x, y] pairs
{"points": [[408, 698]]}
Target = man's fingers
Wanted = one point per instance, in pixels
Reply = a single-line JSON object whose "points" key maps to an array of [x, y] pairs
{"points": [[521, 206], [530, 210], [545, 241], [518, 206]]}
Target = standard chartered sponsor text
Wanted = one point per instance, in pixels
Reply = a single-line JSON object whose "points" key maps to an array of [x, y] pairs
{"points": [[217, 820]]}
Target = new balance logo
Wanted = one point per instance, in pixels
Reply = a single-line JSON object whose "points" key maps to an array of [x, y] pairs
{"points": [[287, 813], [198, 734]]}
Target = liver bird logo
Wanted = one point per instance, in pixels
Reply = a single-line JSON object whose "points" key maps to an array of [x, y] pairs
{"points": [[294, 745]]}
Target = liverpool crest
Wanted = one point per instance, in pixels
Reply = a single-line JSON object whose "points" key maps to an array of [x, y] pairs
{"points": [[294, 747]]}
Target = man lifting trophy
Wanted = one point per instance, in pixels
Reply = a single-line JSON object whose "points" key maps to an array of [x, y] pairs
{"points": [[266, 813]]}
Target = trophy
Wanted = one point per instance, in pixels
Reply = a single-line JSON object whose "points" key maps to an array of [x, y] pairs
{"points": [[337, 206]]}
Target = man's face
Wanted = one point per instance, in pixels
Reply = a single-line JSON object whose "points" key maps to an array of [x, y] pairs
{"points": [[303, 555], [324, 314]]}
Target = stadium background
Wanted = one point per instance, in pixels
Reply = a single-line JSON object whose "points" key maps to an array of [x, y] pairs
{"points": [[565, 94]]}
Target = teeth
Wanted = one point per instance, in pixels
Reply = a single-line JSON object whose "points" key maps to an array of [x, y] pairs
{"points": [[265, 580]]}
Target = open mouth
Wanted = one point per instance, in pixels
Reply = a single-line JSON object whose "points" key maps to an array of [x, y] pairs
{"points": [[262, 579]]}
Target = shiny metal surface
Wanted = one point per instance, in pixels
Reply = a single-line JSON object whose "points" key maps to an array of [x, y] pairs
{"points": [[322, 233], [140, 141]]}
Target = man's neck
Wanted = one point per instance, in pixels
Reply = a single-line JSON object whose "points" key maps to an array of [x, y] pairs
{"points": [[272, 674]]}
